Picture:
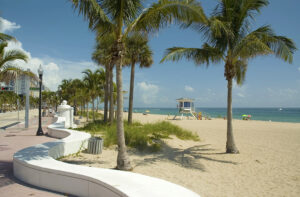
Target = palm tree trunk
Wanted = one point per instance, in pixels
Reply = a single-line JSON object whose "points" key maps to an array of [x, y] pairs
{"points": [[93, 105], [97, 107], [106, 93], [83, 107], [111, 94], [75, 107], [230, 145], [87, 112], [131, 93], [123, 162]]}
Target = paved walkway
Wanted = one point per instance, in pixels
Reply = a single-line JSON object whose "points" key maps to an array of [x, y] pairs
{"points": [[8, 118], [14, 139]]}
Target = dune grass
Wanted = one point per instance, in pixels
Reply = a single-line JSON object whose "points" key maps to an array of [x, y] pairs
{"points": [[98, 115], [140, 136]]}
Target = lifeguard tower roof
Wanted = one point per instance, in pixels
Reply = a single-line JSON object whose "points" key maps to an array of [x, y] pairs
{"points": [[185, 99]]}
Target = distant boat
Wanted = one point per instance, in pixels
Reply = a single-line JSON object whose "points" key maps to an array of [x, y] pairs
{"points": [[280, 109]]}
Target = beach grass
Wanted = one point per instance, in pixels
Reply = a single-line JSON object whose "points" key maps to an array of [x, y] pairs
{"points": [[140, 136], [97, 115]]}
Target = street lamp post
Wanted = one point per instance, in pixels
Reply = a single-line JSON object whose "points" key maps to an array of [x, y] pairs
{"points": [[40, 130]]}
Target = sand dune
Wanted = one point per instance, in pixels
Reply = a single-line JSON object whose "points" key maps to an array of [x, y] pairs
{"points": [[269, 163]]}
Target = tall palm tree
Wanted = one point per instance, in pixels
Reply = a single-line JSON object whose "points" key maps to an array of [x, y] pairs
{"points": [[102, 56], [137, 51], [121, 17], [230, 39]]}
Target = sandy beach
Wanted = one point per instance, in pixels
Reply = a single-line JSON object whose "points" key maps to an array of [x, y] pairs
{"points": [[268, 165]]}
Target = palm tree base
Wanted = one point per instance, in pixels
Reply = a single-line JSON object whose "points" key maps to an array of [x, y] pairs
{"points": [[124, 168], [124, 163], [232, 151]]}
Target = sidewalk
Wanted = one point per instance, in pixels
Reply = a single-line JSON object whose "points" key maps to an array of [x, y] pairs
{"points": [[12, 117], [14, 139]]}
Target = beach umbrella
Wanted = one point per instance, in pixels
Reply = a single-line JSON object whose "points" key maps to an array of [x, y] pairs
{"points": [[244, 115], [147, 111]]}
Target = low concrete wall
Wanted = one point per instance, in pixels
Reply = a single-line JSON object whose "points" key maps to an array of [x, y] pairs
{"points": [[36, 165]]}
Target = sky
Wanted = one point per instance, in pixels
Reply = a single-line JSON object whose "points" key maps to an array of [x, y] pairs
{"points": [[54, 35]]}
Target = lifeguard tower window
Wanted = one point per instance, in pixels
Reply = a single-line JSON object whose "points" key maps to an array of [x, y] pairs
{"points": [[187, 104]]}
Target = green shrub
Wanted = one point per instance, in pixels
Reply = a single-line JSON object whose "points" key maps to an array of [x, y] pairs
{"points": [[142, 137]]}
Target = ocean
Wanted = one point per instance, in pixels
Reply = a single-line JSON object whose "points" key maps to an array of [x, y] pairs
{"points": [[264, 114]]}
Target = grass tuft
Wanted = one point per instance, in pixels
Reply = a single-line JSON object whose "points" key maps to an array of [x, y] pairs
{"points": [[140, 136]]}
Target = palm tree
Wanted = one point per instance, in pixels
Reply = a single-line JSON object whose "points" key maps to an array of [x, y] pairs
{"points": [[93, 81], [65, 89], [137, 51], [102, 56], [121, 17], [229, 39]]}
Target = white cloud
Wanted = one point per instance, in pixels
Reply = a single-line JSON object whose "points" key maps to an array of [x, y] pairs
{"points": [[148, 92], [188, 88], [51, 67], [55, 70], [7, 26], [241, 95], [240, 91]]}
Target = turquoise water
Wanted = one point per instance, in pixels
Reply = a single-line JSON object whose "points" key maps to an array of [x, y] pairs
{"points": [[264, 114]]}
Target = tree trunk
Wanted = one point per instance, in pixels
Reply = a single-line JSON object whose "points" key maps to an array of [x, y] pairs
{"points": [[87, 112], [106, 93], [83, 107], [131, 93], [123, 162], [93, 105], [111, 94], [230, 145], [97, 107], [75, 107]]}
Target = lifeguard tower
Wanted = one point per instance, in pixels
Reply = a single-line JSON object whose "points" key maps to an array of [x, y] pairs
{"points": [[185, 106]]}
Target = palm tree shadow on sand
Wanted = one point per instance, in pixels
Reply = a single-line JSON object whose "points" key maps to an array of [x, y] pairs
{"points": [[188, 158]]}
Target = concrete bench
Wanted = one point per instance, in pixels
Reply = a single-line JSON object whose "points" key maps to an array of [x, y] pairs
{"points": [[36, 165]]}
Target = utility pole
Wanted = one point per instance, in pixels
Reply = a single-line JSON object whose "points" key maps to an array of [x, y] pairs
{"points": [[17, 92], [27, 86]]}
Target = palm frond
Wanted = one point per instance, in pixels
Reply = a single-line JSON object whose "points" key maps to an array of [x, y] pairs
{"points": [[5, 37], [92, 12], [12, 55], [10, 72], [205, 55], [125, 9], [2, 47], [240, 71], [137, 50], [166, 12], [263, 41]]}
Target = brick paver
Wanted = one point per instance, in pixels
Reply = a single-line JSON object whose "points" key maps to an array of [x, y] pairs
{"points": [[12, 140]]}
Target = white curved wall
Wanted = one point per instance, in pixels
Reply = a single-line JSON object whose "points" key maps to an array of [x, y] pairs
{"points": [[36, 165]]}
